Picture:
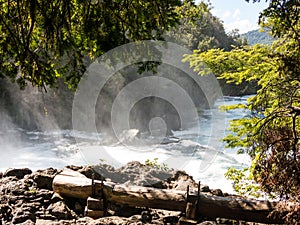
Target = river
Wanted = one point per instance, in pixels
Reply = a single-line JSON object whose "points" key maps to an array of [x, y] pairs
{"points": [[200, 152]]}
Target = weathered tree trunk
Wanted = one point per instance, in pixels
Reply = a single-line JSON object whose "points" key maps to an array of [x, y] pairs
{"points": [[76, 185]]}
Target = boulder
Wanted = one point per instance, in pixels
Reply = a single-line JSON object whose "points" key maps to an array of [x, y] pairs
{"points": [[19, 173], [60, 210], [217, 192], [44, 178]]}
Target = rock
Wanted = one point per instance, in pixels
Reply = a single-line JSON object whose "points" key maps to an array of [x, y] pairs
{"points": [[146, 217], [224, 221], [208, 223], [180, 180], [89, 172], [217, 192], [133, 173], [115, 220], [170, 219], [28, 222], [19, 173], [6, 212], [60, 210], [44, 178], [22, 216], [49, 222], [44, 194], [205, 189], [56, 198], [78, 209]]}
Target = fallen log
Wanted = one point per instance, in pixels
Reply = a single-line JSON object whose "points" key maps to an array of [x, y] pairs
{"points": [[74, 184], [71, 183]]}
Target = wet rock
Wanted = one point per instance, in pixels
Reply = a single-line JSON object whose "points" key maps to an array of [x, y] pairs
{"points": [[60, 210], [19, 173]]}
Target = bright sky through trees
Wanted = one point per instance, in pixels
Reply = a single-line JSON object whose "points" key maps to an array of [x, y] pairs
{"points": [[237, 14]]}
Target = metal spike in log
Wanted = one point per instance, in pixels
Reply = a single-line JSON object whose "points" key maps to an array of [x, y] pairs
{"points": [[74, 184]]}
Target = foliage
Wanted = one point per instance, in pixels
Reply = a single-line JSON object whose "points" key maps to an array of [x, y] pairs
{"points": [[43, 40], [199, 29], [258, 37], [154, 163], [242, 182], [270, 133]]}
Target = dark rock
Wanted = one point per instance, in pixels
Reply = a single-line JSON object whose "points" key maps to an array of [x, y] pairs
{"points": [[44, 178], [75, 168], [205, 189], [19, 219], [78, 209], [6, 212], [18, 191], [127, 211], [44, 194], [60, 210], [89, 172], [217, 192], [19, 173], [172, 220], [180, 180], [146, 217], [22, 215]]}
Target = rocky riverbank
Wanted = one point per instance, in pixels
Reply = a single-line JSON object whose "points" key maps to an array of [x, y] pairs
{"points": [[27, 197]]}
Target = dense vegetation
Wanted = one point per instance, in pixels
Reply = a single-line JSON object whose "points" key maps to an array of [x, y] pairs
{"points": [[199, 29], [258, 37], [270, 133], [43, 40]]}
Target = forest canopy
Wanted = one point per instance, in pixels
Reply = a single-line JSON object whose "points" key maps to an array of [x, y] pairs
{"points": [[44, 40]]}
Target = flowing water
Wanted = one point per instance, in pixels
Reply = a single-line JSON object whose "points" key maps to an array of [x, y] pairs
{"points": [[198, 150]]}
